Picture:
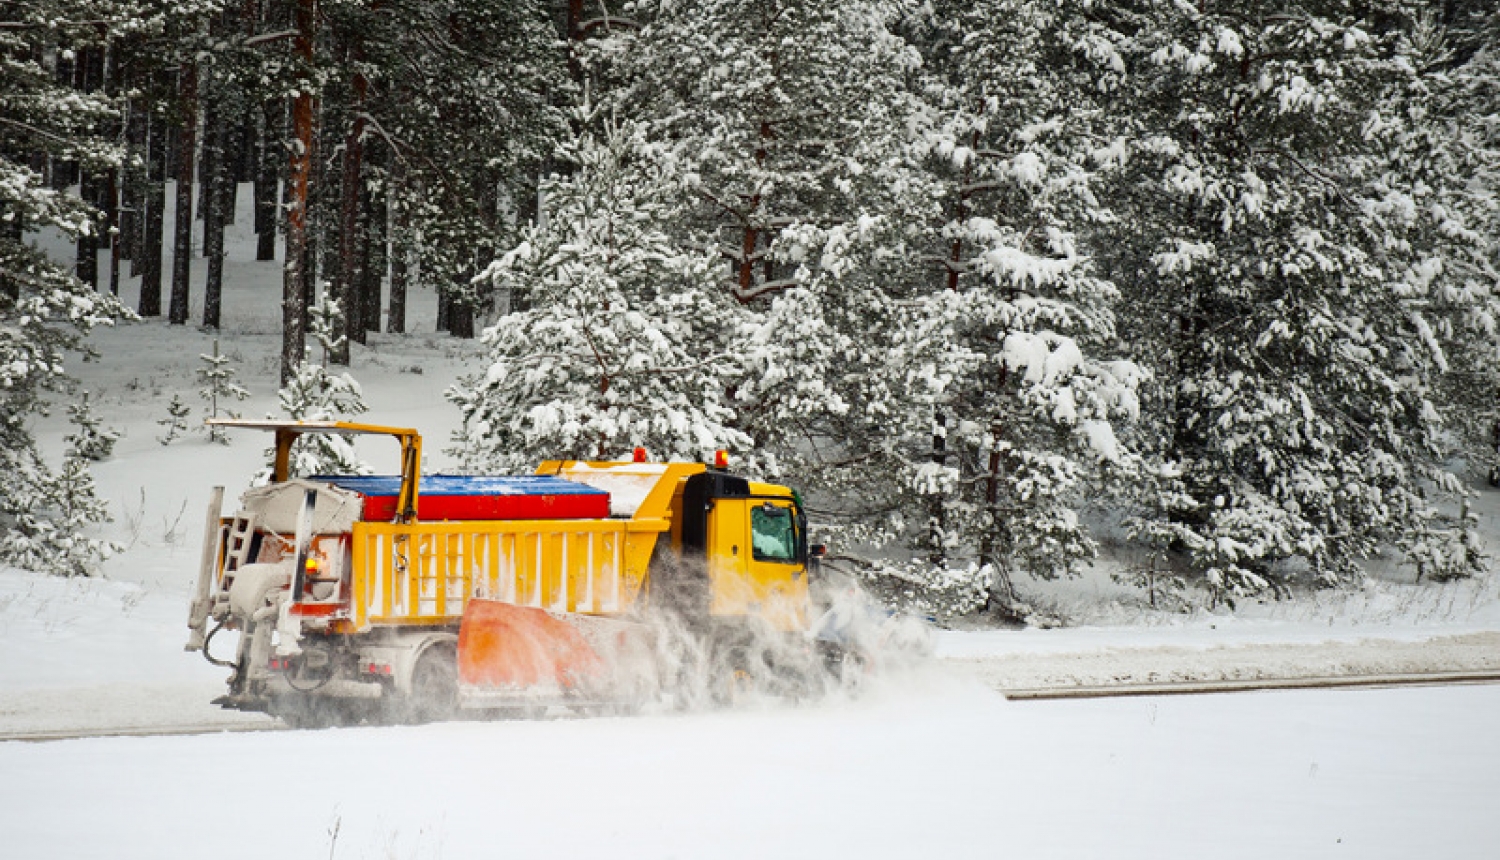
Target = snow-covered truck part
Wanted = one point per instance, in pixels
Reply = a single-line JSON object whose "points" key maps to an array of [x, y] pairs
{"points": [[366, 596]]}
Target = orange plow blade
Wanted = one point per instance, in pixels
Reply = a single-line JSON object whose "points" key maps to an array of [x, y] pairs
{"points": [[504, 646]]}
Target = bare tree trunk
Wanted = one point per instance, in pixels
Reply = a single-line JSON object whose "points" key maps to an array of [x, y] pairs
{"points": [[294, 281], [461, 307], [87, 245], [155, 198], [215, 174], [395, 321], [272, 118], [110, 192], [322, 214], [88, 70], [133, 186], [182, 235], [239, 157], [347, 289], [372, 269], [993, 546]]}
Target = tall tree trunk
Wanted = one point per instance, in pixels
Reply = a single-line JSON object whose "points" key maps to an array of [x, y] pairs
{"points": [[294, 281], [87, 245], [133, 185], [237, 138], [155, 198], [182, 235], [373, 268], [461, 307], [110, 192], [216, 175], [112, 195], [323, 203], [88, 73], [347, 287], [273, 117], [395, 321]]}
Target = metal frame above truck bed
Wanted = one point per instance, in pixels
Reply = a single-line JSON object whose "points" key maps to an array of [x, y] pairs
{"points": [[287, 433]]}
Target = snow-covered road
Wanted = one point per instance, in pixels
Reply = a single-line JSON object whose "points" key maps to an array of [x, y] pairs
{"points": [[928, 767]]}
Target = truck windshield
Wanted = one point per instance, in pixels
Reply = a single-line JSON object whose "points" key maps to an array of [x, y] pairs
{"points": [[773, 533]]}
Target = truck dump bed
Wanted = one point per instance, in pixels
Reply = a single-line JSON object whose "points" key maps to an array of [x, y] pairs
{"points": [[424, 572]]}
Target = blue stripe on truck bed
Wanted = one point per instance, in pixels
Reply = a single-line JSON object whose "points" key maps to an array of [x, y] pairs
{"points": [[464, 485]]}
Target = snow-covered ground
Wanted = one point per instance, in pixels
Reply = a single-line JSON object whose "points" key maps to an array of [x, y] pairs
{"points": [[932, 762], [921, 770]]}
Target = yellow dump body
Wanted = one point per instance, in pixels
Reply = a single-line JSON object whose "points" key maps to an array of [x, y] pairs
{"points": [[423, 573]]}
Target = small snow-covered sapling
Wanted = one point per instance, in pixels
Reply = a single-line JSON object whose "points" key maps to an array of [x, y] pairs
{"points": [[90, 441], [217, 379], [175, 422]]}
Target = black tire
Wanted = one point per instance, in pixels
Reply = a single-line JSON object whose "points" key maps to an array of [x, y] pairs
{"points": [[742, 674], [434, 686]]}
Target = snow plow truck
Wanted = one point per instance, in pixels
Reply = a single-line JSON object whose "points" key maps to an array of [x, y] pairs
{"points": [[599, 586]]}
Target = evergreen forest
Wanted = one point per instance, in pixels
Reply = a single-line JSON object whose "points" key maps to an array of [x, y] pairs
{"points": [[984, 279]]}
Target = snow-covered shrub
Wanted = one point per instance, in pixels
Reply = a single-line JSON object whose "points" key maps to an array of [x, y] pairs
{"points": [[48, 514], [925, 589]]}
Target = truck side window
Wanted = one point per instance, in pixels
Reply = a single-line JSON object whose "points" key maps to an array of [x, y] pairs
{"points": [[773, 533]]}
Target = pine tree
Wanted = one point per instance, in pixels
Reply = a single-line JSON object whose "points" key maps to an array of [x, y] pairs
{"points": [[1452, 145], [1288, 277], [176, 422], [314, 394], [48, 515], [45, 312], [789, 124], [1005, 410], [217, 379], [622, 342], [89, 441], [418, 80]]}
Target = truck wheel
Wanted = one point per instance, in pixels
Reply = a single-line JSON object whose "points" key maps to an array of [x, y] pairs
{"points": [[740, 675], [434, 686]]}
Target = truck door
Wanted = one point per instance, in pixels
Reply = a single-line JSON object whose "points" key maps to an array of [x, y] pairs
{"points": [[755, 561], [728, 550]]}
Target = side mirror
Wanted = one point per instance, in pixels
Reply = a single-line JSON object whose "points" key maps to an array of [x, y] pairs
{"points": [[817, 550]]}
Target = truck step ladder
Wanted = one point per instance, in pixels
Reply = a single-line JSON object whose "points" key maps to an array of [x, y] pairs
{"points": [[238, 536]]}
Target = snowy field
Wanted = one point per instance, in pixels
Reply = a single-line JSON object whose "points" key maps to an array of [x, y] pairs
{"points": [[933, 763]]}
